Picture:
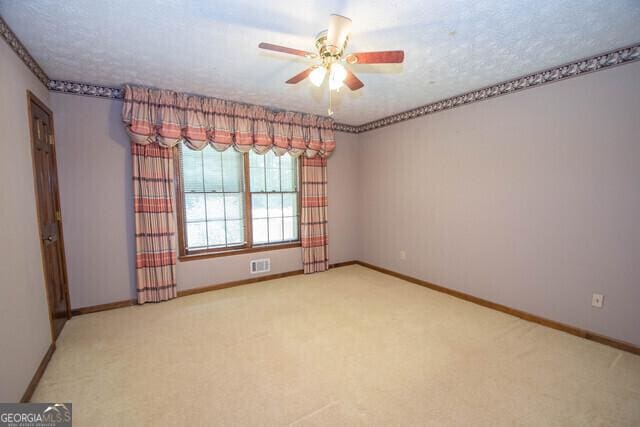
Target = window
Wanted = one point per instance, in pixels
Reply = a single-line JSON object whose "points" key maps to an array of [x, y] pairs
{"points": [[230, 202], [274, 197]]}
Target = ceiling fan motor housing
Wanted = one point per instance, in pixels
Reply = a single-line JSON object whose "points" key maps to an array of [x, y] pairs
{"points": [[329, 53]]}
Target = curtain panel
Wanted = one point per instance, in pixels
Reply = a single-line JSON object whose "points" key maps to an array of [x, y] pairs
{"points": [[313, 219], [167, 118], [155, 222]]}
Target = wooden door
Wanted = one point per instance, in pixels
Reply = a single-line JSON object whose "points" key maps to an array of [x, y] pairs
{"points": [[49, 217]]}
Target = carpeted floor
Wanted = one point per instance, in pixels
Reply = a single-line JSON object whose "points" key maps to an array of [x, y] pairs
{"points": [[347, 347]]}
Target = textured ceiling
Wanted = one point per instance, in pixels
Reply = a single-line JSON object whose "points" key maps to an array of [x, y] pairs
{"points": [[210, 48]]}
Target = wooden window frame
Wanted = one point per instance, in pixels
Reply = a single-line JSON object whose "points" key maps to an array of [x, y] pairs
{"points": [[248, 247]]}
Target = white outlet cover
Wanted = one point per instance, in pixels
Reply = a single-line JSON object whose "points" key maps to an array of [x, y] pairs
{"points": [[403, 255], [597, 300]]}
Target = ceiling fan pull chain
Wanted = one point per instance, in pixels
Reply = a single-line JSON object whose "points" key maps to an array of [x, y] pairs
{"points": [[330, 109]]}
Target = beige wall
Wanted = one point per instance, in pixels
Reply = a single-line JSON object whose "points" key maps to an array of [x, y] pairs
{"points": [[96, 195], [344, 215], [25, 332], [94, 169], [531, 200]]}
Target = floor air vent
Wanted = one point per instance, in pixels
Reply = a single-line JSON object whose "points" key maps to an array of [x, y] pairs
{"points": [[260, 265]]}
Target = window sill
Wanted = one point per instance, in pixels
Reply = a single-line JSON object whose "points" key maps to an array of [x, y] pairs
{"points": [[221, 253]]}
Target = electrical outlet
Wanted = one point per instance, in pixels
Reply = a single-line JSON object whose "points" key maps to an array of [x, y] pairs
{"points": [[403, 255], [597, 300]]}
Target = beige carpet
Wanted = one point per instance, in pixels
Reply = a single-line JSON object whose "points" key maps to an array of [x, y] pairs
{"points": [[347, 347]]}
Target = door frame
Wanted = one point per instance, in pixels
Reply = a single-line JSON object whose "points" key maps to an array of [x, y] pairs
{"points": [[33, 99]]}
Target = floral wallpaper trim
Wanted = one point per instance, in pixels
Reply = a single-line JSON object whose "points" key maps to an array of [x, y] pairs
{"points": [[85, 89], [22, 52]]}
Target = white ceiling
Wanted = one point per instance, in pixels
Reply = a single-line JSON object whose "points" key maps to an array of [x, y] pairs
{"points": [[210, 47]]}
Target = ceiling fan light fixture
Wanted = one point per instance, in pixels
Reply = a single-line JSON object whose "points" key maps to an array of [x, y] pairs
{"points": [[317, 75], [337, 75]]}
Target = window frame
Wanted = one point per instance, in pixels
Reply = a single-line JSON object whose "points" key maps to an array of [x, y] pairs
{"points": [[184, 254]]}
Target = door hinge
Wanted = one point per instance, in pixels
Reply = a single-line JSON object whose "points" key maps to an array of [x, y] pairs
{"points": [[50, 139], [58, 216]]}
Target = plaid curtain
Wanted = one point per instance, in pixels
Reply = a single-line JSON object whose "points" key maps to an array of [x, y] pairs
{"points": [[155, 223], [313, 220]]}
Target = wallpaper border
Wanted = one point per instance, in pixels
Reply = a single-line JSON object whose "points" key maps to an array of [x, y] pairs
{"points": [[554, 74], [579, 67], [16, 45], [86, 89], [572, 69]]}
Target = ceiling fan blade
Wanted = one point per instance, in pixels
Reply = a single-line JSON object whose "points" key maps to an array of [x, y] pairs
{"points": [[284, 49], [352, 81], [339, 29], [300, 76], [383, 57]]}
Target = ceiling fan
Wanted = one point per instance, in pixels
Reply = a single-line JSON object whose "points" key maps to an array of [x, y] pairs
{"points": [[331, 45]]}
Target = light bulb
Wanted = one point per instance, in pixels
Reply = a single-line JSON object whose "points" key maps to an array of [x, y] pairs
{"points": [[337, 76], [317, 75]]}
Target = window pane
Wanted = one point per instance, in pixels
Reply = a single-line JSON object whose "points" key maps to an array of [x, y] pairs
{"points": [[194, 207], [288, 180], [287, 162], [295, 175], [196, 235], [216, 233], [256, 160], [215, 206], [192, 170], [256, 171], [273, 180], [233, 205], [275, 229], [271, 160], [259, 205], [235, 232], [289, 204], [212, 169], [275, 205], [260, 233], [290, 225], [257, 179], [232, 170]]}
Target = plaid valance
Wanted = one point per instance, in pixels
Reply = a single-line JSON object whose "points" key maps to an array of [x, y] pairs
{"points": [[167, 117]]}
